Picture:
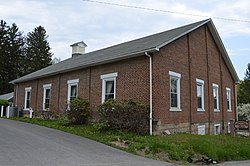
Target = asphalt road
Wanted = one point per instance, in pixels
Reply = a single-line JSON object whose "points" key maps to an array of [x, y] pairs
{"points": [[23, 144]]}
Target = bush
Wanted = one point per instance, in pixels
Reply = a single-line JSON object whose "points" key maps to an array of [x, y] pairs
{"points": [[5, 103], [79, 111], [244, 112], [46, 115], [127, 115]]}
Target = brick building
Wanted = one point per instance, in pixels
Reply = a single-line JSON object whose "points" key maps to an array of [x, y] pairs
{"points": [[184, 75]]}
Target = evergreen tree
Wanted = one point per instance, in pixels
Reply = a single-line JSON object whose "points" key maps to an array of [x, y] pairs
{"points": [[38, 53], [11, 52], [243, 89], [247, 74]]}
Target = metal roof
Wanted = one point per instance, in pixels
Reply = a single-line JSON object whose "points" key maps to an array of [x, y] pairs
{"points": [[126, 50]]}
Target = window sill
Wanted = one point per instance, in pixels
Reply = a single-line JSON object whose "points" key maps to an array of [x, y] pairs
{"points": [[215, 110], [200, 110], [229, 110], [175, 110], [26, 109]]}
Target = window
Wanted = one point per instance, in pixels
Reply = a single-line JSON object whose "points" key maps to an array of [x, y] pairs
{"points": [[216, 97], [200, 94], [27, 98], [46, 96], [108, 86], [228, 91], [175, 91], [201, 130], [72, 89], [216, 129]]}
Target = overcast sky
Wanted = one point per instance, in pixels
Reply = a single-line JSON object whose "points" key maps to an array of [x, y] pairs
{"points": [[100, 25]]}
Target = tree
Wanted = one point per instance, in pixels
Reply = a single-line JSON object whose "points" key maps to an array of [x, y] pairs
{"points": [[244, 112], [56, 60], [38, 54], [243, 89], [11, 55], [247, 74]]}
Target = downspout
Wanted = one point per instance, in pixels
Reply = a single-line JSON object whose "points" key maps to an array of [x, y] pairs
{"points": [[235, 101], [150, 95], [222, 96], [208, 80], [190, 84], [16, 101]]}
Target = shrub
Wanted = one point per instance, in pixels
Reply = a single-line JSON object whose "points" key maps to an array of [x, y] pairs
{"points": [[5, 103], [127, 115], [46, 115], [79, 111], [244, 112]]}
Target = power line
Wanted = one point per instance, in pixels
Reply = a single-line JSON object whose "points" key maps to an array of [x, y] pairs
{"points": [[165, 11]]}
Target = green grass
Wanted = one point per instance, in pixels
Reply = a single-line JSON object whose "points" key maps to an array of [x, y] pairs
{"points": [[172, 148]]}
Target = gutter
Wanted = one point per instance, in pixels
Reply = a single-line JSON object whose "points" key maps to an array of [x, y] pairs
{"points": [[150, 95]]}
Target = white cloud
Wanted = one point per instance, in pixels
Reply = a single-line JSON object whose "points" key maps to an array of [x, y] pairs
{"points": [[101, 25]]}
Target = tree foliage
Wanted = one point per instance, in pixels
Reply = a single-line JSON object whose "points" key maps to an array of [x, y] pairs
{"points": [[21, 55], [243, 89], [79, 111], [244, 112], [126, 115], [11, 55], [38, 54]]}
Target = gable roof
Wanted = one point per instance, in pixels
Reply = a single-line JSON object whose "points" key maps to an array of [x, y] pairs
{"points": [[128, 49]]}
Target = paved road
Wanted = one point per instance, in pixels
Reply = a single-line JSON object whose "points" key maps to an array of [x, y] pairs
{"points": [[236, 163], [23, 144]]}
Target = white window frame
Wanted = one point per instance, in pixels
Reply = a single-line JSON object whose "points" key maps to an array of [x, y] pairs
{"points": [[200, 82], [201, 130], [27, 89], [217, 94], [70, 84], [228, 94], [178, 76], [105, 78], [215, 129], [45, 88]]}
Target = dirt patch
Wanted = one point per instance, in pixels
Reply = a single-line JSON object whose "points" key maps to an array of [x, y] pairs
{"points": [[121, 143]]}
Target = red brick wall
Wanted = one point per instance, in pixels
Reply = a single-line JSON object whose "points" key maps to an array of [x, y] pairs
{"points": [[21, 93], [173, 57], [194, 56], [132, 83]]}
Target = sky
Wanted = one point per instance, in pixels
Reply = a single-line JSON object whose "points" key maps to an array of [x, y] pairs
{"points": [[102, 25]]}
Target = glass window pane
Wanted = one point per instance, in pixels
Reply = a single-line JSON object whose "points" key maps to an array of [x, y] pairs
{"points": [[199, 99], [215, 91], [174, 84], [27, 104], [73, 92], [199, 90], [27, 99], [215, 103], [47, 95], [47, 103], [109, 87], [109, 96], [28, 95], [173, 100]]}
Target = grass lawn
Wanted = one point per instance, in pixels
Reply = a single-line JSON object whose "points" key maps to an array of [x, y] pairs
{"points": [[173, 148]]}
